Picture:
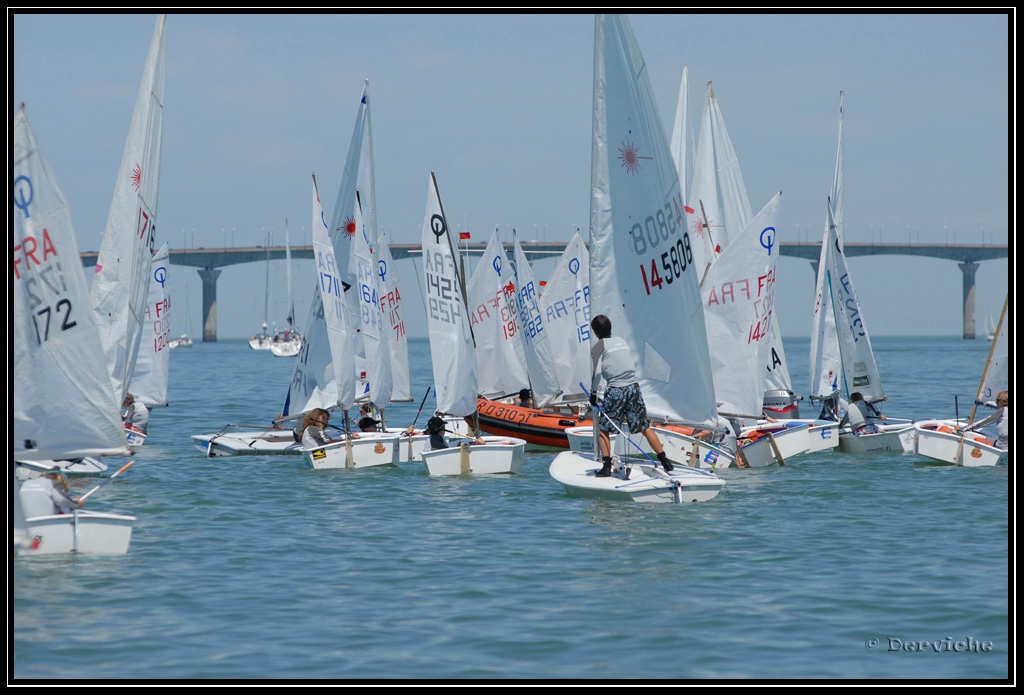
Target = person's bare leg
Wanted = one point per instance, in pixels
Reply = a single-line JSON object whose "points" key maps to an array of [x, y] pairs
{"points": [[659, 450]]}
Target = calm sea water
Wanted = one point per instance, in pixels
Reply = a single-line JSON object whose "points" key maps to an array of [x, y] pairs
{"points": [[253, 567]]}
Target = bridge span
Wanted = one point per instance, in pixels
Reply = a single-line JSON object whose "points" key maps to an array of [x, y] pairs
{"points": [[208, 262]]}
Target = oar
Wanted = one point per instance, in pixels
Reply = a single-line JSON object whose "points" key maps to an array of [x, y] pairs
{"points": [[119, 471]]}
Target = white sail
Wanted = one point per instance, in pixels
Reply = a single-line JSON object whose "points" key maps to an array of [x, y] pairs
{"points": [[642, 274], [565, 302], [682, 138], [376, 352], [718, 209], [120, 285], [826, 362], [859, 368], [718, 196], [532, 331], [149, 383], [501, 365], [324, 368], [358, 175], [290, 319], [64, 403], [451, 338], [739, 296], [997, 371], [837, 197], [394, 319]]}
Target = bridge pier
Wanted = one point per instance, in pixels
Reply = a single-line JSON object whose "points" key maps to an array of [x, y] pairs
{"points": [[209, 277], [969, 270]]}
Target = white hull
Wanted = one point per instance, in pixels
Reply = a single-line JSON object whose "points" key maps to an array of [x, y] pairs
{"points": [[260, 343], [87, 466], [272, 443], [822, 435], [133, 436], [790, 437], [681, 449], [183, 342], [582, 439], [576, 473], [938, 441], [288, 348], [96, 533], [897, 438], [496, 455], [368, 450]]}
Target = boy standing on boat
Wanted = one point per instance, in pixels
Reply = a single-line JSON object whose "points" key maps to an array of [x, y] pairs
{"points": [[623, 401]]}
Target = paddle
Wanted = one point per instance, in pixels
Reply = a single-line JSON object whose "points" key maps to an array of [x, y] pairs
{"points": [[119, 471]]}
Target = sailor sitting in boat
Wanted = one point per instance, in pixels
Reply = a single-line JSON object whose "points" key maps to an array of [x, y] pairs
{"points": [[436, 429], [1001, 416], [136, 413], [47, 495], [313, 434], [861, 415], [525, 401]]}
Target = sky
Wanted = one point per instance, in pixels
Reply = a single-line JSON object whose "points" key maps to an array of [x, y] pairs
{"points": [[499, 107]]}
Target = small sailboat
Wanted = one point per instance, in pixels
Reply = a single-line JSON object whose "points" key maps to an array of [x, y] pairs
{"points": [[842, 361], [288, 342], [990, 327], [957, 444], [120, 283], [261, 340], [149, 383], [329, 327], [452, 352], [185, 341], [634, 179], [64, 406]]}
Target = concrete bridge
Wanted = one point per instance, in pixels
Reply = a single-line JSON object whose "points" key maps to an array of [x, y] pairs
{"points": [[208, 261]]}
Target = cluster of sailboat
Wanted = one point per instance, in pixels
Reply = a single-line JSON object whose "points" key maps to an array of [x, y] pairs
{"points": [[676, 259], [78, 349]]}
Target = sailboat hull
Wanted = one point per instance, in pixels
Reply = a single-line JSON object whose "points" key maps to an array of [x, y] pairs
{"points": [[575, 471], [94, 533], [496, 455], [267, 443], [683, 449], [939, 441], [367, 451], [86, 466], [791, 439], [897, 439]]}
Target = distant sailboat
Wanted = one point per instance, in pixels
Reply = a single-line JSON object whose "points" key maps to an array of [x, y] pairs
{"points": [[186, 338], [287, 343], [261, 341]]}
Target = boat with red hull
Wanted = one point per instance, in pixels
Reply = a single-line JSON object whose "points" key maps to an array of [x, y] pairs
{"points": [[542, 429]]}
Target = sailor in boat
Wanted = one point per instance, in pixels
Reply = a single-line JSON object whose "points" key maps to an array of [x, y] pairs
{"points": [[861, 415], [313, 432], [436, 429], [136, 413], [623, 401], [525, 400], [1001, 418], [47, 495], [368, 424], [725, 436]]}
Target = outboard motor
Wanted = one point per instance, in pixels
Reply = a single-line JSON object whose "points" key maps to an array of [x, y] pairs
{"points": [[782, 404]]}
